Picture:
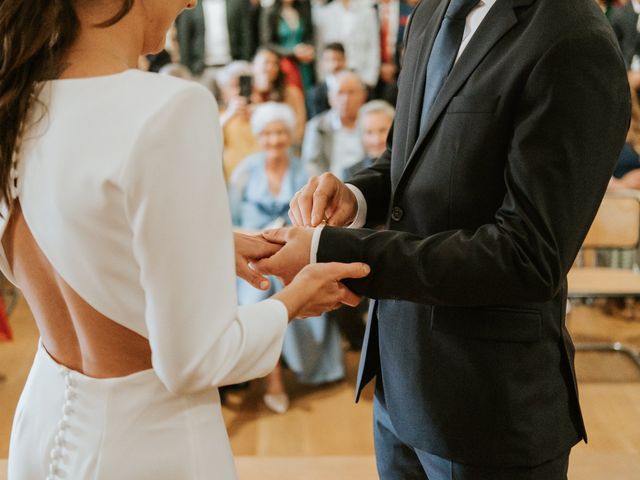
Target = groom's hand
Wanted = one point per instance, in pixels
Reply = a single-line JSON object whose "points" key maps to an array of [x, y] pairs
{"points": [[293, 256], [323, 199], [249, 250]]}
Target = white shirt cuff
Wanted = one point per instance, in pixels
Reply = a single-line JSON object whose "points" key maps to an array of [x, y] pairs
{"points": [[315, 242], [358, 222], [361, 214]]}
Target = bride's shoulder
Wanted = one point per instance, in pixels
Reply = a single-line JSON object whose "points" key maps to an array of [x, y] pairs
{"points": [[154, 93]]}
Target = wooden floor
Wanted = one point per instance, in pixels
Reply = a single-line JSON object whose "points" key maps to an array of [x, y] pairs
{"points": [[326, 436]]}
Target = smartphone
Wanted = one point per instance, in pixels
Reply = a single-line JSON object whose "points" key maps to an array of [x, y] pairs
{"points": [[246, 86]]}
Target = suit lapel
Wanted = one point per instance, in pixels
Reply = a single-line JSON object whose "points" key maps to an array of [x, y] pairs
{"points": [[497, 23], [426, 40]]}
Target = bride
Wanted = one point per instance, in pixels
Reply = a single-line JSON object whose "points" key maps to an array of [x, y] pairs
{"points": [[115, 225]]}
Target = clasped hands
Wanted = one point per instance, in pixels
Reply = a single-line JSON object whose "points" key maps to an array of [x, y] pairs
{"points": [[286, 252]]}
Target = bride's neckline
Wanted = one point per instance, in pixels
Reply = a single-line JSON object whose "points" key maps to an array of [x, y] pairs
{"points": [[97, 77]]}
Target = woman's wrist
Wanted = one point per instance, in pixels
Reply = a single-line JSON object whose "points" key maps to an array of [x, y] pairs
{"points": [[290, 299]]}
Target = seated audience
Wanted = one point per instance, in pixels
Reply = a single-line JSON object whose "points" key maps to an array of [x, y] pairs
{"points": [[332, 142], [374, 122], [626, 175], [269, 86], [332, 61], [260, 190]]}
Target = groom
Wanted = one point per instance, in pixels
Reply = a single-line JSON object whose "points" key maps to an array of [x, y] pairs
{"points": [[511, 114]]}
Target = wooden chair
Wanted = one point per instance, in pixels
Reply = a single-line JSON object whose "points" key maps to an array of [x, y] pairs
{"points": [[616, 227]]}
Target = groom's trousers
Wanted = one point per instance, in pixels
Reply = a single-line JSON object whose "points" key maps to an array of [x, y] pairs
{"points": [[398, 461]]}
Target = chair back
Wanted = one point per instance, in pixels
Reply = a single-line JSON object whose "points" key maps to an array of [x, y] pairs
{"points": [[617, 223]]}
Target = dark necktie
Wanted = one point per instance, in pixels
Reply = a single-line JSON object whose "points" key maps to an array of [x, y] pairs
{"points": [[444, 52]]}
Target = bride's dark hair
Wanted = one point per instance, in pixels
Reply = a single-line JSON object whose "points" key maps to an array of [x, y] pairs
{"points": [[34, 37]]}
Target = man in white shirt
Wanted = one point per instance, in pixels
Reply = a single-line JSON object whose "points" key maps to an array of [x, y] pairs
{"points": [[503, 106], [352, 23], [393, 17], [216, 32]]}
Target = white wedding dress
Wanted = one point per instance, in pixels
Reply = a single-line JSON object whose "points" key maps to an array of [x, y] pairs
{"points": [[121, 184]]}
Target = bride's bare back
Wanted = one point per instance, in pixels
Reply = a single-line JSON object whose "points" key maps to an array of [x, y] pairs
{"points": [[73, 332]]}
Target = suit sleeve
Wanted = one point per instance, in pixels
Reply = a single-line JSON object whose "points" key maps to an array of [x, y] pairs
{"points": [[178, 212], [570, 124]]}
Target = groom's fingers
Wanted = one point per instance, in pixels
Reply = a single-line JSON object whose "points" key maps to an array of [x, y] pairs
{"points": [[253, 277], [324, 197], [349, 270], [277, 235], [350, 298], [294, 212], [341, 217]]}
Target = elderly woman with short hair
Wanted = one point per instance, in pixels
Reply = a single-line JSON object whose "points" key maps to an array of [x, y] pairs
{"points": [[260, 190]]}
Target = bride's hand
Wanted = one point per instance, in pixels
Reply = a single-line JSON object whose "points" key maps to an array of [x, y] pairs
{"points": [[250, 249], [318, 289]]}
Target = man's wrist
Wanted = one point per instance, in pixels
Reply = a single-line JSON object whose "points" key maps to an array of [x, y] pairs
{"points": [[315, 243], [361, 212]]}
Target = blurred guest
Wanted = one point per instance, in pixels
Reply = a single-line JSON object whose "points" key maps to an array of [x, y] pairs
{"points": [[214, 33], [260, 190], [287, 26], [154, 62], [393, 16], [235, 115], [626, 175], [374, 123], [609, 6], [354, 24], [333, 60], [332, 142], [176, 70], [625, 25], [269, 85]]}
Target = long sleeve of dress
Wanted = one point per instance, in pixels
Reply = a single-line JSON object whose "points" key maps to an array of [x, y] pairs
{"points": [[182, 239]]}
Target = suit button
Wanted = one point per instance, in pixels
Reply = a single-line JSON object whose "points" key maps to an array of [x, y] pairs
{"points": [[396, 214]]}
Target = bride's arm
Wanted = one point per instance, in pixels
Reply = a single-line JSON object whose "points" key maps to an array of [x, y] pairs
{"points": [[179, 215]]}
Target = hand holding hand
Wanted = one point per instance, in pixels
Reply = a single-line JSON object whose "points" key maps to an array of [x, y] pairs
{"points": [[317, 289], [251, 249], [293, 256], [324, 198]]}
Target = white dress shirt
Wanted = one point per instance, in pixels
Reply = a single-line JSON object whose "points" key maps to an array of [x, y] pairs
{"points": [[216, 30], [356, 27], [473, 21], [392, 10]]}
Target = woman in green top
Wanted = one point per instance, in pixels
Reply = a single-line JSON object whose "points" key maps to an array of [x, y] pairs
{"points": [[287, 26]]}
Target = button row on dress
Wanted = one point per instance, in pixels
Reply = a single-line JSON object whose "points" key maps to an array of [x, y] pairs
{"points": [[57, 451]]}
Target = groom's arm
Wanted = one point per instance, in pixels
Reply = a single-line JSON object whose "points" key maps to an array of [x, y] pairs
{"points": [[571, 125], [374, 183]]}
